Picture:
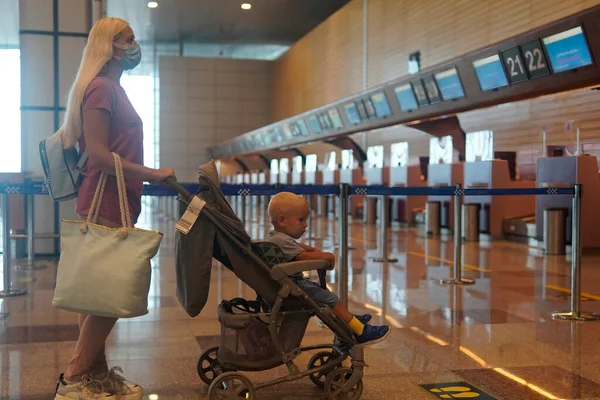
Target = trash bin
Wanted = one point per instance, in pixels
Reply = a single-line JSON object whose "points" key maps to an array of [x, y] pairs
{"points": [[554, 230], [432, 217], [470, 222]]}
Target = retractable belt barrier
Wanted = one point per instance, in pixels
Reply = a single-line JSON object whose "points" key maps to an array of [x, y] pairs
{"points": [[343, 192]]}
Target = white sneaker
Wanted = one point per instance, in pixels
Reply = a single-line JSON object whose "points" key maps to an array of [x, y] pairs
{"points": [[86, 389], [119, 386]]}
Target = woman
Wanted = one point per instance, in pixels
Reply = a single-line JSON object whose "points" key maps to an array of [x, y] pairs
{"points": [[99, 108]]}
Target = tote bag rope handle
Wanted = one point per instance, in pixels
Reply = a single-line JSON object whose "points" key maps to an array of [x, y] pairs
{"points": [[99, 194]]}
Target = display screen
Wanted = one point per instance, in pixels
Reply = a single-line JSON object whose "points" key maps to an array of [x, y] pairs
{"points": [[287, 132], [362, 111], [420, 93], [352, 113], [382, 107], [406, 98], [490, 73], [279, 134], [568, 50], [336, 119], [274, 166], [369, 108], [315, 126], [302, 127], [449, 84], [323, 121], [432, 90]]}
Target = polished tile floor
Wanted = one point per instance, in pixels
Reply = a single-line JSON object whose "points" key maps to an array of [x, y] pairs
{"points": [[497, 334]]}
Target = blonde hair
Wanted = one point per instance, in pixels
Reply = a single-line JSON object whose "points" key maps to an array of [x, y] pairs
{"points": [[285, 203], [98, 51]]}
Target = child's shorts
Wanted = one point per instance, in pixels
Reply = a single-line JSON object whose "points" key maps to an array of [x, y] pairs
{"points": [[317, 293]]}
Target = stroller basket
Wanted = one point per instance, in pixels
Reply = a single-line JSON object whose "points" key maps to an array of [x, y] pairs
{"points": [[246, 342]]}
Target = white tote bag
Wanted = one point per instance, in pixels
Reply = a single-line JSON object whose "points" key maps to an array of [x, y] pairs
{"points": [[105, 271]]}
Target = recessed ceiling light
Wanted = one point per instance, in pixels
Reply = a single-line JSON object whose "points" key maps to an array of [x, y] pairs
{"points": [[246, 6], [152, 4]]}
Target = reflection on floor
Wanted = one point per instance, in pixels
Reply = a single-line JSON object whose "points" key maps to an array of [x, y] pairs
{"points": [[497, 335]]}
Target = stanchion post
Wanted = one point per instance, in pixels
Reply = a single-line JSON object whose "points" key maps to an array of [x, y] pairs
{"points": [[7, 290], [311, 236], [575, 314], [383, 239], [243, 211], [458, 279], [343, 246], [31, 237]]}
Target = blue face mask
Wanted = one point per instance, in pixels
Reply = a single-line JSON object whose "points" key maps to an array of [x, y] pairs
{"points": [[133, 55]]}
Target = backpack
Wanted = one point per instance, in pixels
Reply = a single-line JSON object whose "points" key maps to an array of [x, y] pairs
{"points": [[62, 168]]}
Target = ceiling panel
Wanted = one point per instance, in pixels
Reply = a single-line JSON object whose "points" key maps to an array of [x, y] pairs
{"points": [[210, 21]]}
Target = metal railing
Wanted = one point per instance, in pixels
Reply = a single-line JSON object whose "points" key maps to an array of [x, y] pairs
{"points": [[343, 193]]}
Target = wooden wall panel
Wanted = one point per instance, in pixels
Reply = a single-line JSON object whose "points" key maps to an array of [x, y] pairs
{"points": [[327, 64], [323, 66], [517, 125]]}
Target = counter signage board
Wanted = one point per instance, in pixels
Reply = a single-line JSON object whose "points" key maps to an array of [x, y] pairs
{"points": [[420, 93], [432, 90], [515, 67], [535, 60]]}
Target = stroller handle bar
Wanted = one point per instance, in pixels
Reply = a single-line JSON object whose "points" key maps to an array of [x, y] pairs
{"points": [[178, 187]]}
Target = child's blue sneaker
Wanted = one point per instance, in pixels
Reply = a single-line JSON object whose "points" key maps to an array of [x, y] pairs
{"points": [[373, 334], [364, 319]]}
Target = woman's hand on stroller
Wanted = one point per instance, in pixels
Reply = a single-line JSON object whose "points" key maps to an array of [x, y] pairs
{"points": [[162, 174]]}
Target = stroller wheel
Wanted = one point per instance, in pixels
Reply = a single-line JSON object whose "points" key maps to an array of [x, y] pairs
{"points": [[317, 360], [206, 365], [231, 386], [336, 381]]}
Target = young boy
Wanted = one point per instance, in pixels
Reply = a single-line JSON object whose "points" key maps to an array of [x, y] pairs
{"points": [[289, 213]]}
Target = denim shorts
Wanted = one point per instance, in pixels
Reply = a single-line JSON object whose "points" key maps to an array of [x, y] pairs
{"points": [[317, 293]]}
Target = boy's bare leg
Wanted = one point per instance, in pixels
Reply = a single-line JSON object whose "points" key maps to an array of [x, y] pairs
{"points": [[343, 313]]}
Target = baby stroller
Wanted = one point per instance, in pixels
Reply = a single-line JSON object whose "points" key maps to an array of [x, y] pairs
{"points": [[261, 334]]}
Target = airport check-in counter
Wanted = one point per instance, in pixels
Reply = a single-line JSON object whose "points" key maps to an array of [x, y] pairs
{"points": [[440, 175], [493, 210], [375, 176], [405, 208], [327, 204], [565, 172]]}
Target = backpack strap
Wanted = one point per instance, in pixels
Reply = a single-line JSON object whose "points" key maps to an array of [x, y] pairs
{"points": [[82, 160]]}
